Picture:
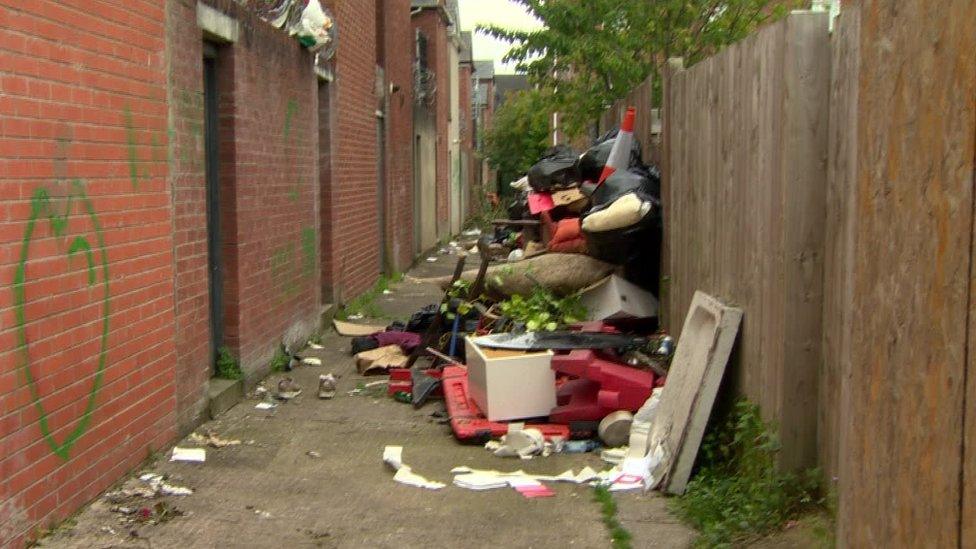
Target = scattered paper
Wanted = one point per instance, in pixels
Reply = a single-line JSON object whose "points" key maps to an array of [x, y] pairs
{"points": [[530, 488], [192, 455], [478, 479], [312, 361], [315, 346], [614, 455], [355, 330], [393, 456], [357, 316], [431, 260], [266, 406], [159, 486], [387, 292]]}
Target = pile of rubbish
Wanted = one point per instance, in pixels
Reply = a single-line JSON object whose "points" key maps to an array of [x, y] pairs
{"points": [[557, 349], [605, 202]]}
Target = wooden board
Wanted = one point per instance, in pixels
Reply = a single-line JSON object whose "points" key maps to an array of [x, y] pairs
{"points": [[696, 371]]}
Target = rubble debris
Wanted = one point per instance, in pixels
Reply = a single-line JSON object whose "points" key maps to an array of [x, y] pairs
{"points": [[266, 406], [313, 454], [351, 329], [615, 298], [327, 386], [579, 446], [315, 346], [312, 361], [189, 455], [380, 360], [288, 389], [522, 443], [212, 440], [614, 429], [393, 456]]}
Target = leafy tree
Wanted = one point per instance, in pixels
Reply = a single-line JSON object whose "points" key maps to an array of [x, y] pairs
{"points": [[518, 134], [590, 53]]}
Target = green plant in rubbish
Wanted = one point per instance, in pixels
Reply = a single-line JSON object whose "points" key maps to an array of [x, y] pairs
{"points": [[738, 492], [619, 536], [542, 310], [280, 360], [227, 365]]}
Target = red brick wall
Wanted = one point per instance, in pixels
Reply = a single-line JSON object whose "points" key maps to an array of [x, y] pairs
{"points": [[351, 189], [431, 23], [86, 265], [398, 64], [188, 188], [269, 188]]}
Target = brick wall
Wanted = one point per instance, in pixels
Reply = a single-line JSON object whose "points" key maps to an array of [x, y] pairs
{"points": [[399, 45], [188, 188], [269, 226], [432, 24], [352, 226], [86, 266]]}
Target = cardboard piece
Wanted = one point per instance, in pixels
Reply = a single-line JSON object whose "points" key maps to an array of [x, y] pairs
{"points": [[614, 298], [686, 401], [380, 360], [355, 330], [510, 384], [573, 199]]}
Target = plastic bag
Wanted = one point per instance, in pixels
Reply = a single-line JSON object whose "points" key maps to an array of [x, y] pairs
{"points": [[555, 170]]}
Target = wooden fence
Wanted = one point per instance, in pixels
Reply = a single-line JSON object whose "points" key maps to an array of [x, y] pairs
{"points": [[826, 186], [747, 148]]}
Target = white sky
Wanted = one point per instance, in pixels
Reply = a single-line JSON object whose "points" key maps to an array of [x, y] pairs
{"points": [[500, 12]]}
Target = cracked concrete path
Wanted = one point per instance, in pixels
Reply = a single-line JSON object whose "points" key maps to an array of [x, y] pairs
{"points": [[273, 493]]}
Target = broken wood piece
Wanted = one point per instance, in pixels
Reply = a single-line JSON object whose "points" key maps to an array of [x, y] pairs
{"points": [[355, 330], [563, 274]]}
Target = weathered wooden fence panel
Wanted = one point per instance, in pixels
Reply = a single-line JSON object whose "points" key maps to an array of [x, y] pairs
{"points": [[902, 444], [745, 209], [839, 246]]}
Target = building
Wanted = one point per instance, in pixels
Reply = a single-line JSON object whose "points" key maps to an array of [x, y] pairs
{"points": [[484, 108], [182, 180]]}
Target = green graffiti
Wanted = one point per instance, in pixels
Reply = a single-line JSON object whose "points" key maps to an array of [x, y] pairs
{"points": [[308, 251], [42, 208], [290, 113]]}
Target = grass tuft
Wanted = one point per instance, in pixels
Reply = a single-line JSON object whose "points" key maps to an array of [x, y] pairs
{"points": [[619, 536]]}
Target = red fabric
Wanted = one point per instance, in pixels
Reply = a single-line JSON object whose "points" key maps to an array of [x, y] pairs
{"points": [[567, 237]]}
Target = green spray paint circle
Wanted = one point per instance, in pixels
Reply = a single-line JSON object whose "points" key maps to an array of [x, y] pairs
{"points": [[41, 207]]}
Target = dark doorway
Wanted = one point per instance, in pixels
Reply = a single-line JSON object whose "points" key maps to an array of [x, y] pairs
{"points": [[211, 155]]}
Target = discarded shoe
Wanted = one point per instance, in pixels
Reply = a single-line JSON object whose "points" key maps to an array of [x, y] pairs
{"points": [[288, 389], [327, 386]]}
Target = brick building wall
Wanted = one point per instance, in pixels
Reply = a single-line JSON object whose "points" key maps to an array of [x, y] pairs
{"points": [[398, 43], [189, 194], [351, 254], [433, 25], [268, 168], [86, 266]]}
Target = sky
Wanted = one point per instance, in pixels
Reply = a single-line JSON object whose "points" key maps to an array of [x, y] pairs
{"points": [[501, 12]]}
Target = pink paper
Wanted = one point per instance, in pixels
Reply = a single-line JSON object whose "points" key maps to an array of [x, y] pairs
{"points": [[540, 202]]}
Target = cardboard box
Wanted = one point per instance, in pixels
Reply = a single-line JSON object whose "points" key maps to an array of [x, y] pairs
{"points": [[613, 298], [510, 384]]}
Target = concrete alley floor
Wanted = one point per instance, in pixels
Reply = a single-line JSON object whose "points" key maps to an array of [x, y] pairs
{"points": [[271, 493]]}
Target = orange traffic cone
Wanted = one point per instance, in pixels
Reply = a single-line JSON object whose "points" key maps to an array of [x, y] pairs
{"points": [[620, 152]]}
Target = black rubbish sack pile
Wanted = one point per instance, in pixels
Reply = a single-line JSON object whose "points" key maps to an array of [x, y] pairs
{"points": [[555, 170]]}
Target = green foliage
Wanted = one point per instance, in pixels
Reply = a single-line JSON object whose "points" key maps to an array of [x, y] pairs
{"points": [[365, 303], [280, 360], [542, 310], [738, 491], [487, 212], [227, 365], [589, 54], [519, 133], [619, 536]]}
